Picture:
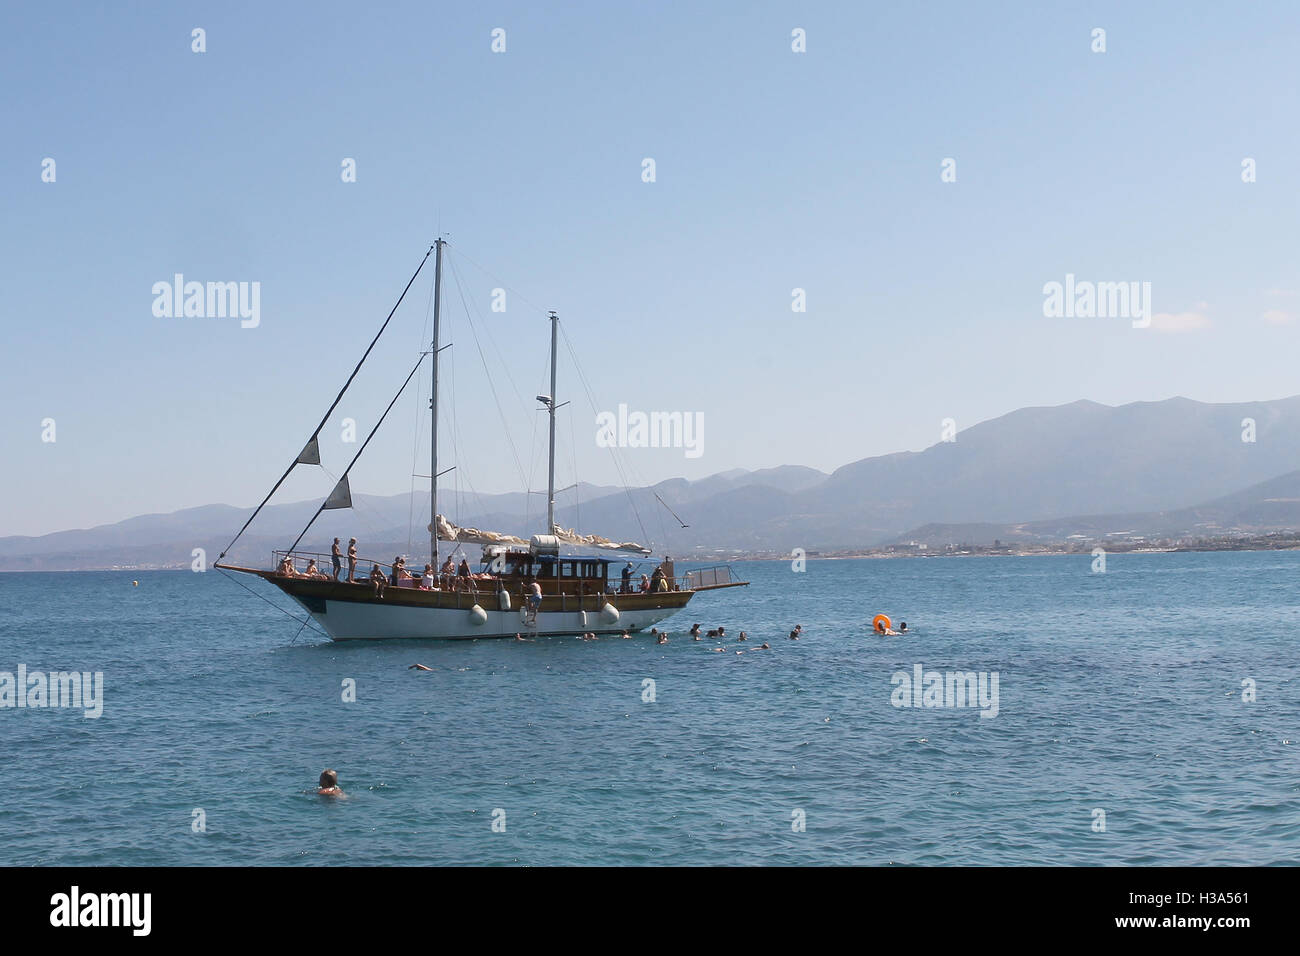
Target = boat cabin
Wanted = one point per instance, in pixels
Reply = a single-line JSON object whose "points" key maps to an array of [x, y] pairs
{"points": [[556, 573]]}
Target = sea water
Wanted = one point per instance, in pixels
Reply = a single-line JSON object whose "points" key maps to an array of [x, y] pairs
{"points": [[1145, 715]]}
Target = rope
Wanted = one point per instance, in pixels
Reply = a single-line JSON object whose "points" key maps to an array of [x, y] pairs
{"points": [[362, 448], [505, 424], [645, 536], [306, 622], [338, 398]]}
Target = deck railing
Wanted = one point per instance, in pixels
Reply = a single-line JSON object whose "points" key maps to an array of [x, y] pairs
{"points": [[719, 575]]}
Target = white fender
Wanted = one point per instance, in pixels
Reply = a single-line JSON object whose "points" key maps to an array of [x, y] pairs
{"points": [[609, 614], [477, 615], [503, 599], [583, 616]]}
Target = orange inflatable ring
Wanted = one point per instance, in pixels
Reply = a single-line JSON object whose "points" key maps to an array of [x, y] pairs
{"points": [[882, 623]]}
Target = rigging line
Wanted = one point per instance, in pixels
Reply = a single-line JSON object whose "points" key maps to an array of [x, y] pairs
{"points": [[363, 445], [577, 491], [415, 440], [671, 512], [363, 514], [458, 476], [333, 406], [613, 457], [621, 463], [497, 280], [505, 425], [306, 622], [487, 331], [462, 474]]}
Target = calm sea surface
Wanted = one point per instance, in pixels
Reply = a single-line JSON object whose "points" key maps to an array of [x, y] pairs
{"points": [[1118, 692]]}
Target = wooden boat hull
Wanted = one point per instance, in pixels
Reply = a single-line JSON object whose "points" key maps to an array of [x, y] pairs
{"points": [[351, 612]]}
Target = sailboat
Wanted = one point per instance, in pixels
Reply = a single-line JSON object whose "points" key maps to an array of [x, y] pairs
{"points": [[550, 585]]}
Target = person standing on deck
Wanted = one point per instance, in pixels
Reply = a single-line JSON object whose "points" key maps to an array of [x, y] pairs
{"points": [[658, 582], [627, 579], [352, 560], [336, 558]]}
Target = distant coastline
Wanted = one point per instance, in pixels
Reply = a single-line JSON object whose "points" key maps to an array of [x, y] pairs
{"points": [[1272, 541]]}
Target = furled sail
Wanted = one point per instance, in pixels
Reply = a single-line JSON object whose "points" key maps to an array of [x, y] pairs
{"points": [[569, 536], [450, 532]]}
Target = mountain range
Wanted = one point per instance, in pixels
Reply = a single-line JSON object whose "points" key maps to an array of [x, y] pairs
{"points": [[1158, 469]]}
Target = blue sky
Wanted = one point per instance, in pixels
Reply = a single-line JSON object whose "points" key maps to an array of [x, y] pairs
{"points": [[774, 170]]}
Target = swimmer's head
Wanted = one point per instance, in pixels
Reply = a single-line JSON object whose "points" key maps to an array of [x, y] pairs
{"points": [[328, 779]]}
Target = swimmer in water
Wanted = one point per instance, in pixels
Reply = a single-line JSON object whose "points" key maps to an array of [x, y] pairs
{"points": [[695, 631], [627, 636], [743, 636], [902, 627], [329, 784], [419, 667], [765, 646], [662, 639], [794, 635]]}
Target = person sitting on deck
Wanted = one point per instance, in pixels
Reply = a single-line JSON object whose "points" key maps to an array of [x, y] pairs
{"points": [[645, 584], [401, 576], [313, 571], [463, 570], [378, 580]]}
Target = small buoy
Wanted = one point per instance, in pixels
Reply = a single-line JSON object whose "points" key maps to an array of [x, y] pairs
{"points": [[881, 623]]}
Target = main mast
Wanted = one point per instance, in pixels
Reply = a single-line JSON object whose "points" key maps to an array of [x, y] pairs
{"points": [[433, 407], [550, 477]]}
